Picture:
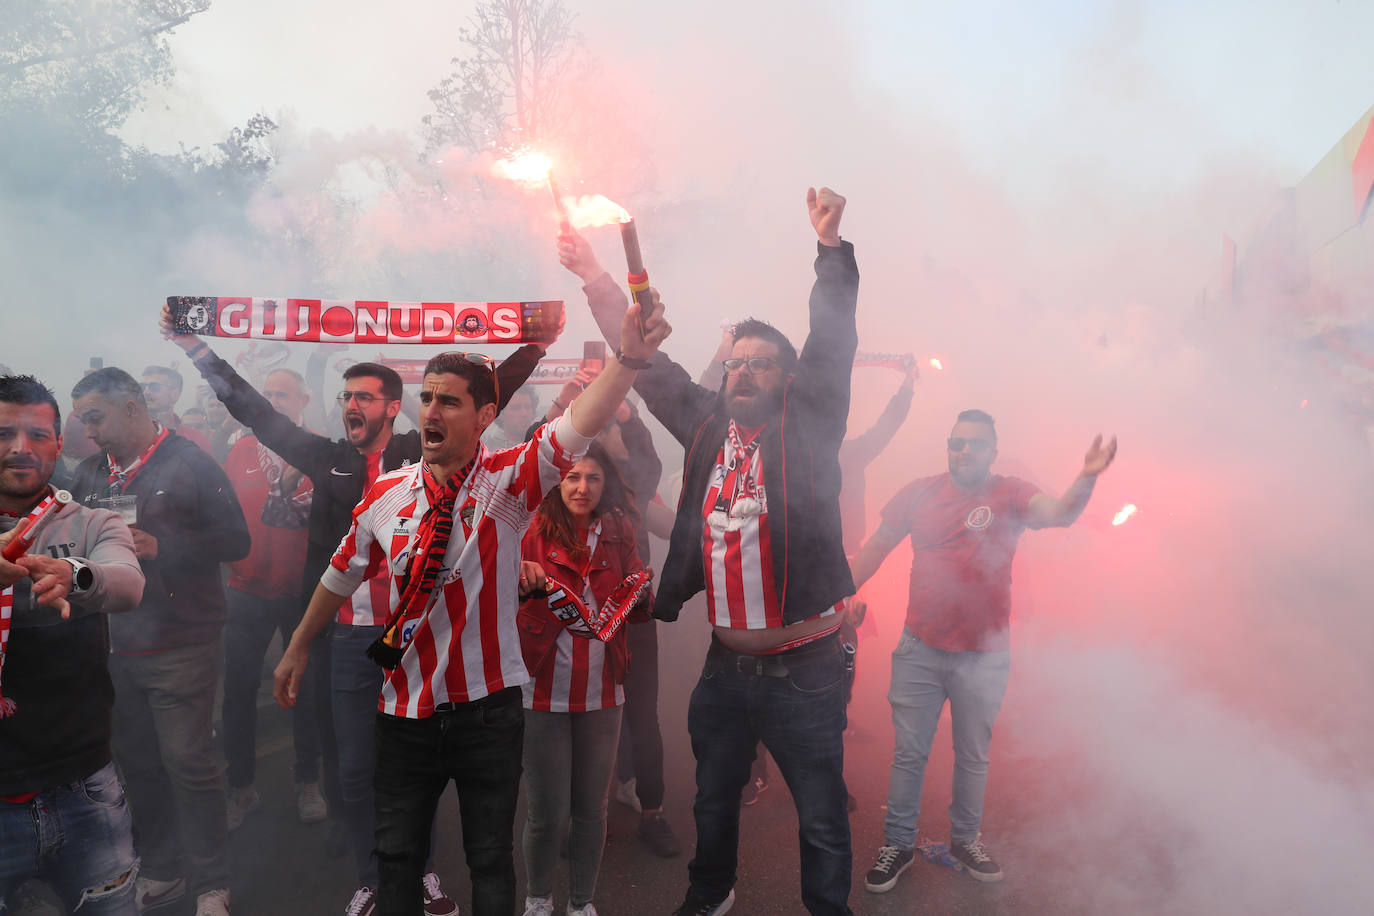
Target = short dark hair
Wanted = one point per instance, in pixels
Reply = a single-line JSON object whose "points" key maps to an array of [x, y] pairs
{"points": [[481, 377], [527, 392], [978, 416], [391, 382], [753, 327], [24, 390], [171, 373], [112, 384]]}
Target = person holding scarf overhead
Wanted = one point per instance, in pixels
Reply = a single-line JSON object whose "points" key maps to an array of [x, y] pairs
{"points": [[449, 530]]}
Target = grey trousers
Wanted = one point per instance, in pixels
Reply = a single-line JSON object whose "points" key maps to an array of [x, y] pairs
{"points": [[569, 759], [164, 705]]}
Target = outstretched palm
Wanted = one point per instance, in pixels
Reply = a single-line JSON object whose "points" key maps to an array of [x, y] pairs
{"points": [[1099, 456]]}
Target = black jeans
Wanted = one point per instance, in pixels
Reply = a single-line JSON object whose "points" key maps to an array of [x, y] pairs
{"points": [[800, 718], [478, 745], [641, 742]]}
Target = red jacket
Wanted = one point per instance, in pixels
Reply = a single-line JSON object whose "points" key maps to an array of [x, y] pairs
{"points": [[615, 558]]}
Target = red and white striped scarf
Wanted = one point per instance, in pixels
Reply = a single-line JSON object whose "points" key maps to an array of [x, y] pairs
{"points": [[121, 476], [7, 597]]}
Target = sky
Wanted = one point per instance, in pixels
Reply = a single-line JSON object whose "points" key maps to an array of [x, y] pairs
{"points": [[1035, 79]]}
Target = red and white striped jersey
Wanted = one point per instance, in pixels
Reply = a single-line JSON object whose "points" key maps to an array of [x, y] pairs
{"points": [[736, 542], [467, 645], [368, 606], [580, 680]]}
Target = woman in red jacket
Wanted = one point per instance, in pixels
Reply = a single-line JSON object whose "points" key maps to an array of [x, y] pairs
{"points": [[583, 536]]}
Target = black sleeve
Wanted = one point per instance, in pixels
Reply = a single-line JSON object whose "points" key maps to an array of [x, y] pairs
{"points": [[514, 370], [644, 466], [827, 358], [310, 453]]}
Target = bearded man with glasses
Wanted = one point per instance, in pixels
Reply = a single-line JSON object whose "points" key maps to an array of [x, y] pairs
{"points": [[345, 681], [963, 526]]}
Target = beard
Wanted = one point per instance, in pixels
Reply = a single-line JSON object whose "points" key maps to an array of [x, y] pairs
{"points": [[752, 411]]}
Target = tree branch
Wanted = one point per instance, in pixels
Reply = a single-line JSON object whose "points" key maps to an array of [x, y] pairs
{"points": [[19, 66]]}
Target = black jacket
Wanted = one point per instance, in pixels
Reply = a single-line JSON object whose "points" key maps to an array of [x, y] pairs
{"points": [[800, 447], [337, 469], [186, 502]]}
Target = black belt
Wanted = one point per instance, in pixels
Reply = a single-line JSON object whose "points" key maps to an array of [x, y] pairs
{"points": [[722, 658], [499, 698]]}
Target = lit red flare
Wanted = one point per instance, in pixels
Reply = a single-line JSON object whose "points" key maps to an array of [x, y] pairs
{"points": [[526, 168], [1125, 513], [936, 364], [592, 210]]}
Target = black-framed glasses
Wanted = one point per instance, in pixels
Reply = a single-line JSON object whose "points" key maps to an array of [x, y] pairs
{"points": [[755, 364], [363, 399], [976, 446]]}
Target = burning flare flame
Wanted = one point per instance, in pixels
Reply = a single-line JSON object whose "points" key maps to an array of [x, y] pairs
{"points": [[935, 363], [1126, 512], [526, 168], [593, 210]]}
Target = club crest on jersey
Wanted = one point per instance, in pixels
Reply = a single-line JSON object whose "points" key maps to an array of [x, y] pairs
{"points": [[979, 518], [467, 513], [408, 633]]}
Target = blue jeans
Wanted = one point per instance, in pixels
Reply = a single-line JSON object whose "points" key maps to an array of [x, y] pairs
{"points": [[253, 621], [922, 679], [78, 839], [800, 720], [478, 746], [355, 683]]}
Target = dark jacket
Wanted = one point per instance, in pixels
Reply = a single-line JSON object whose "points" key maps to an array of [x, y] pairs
{"points": [[800, 447], [337, 469], [186, 502], [615, 558], [56, 670]]}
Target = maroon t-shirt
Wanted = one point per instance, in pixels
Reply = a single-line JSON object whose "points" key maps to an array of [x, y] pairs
{"points": [[962, 544]]}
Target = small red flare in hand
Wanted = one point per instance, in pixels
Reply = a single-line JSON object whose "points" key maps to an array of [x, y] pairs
{"points": [[935, 363], [1126, 512], [594, 210]]}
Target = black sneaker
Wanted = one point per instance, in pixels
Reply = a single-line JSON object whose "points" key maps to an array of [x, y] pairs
{"points": [[695, 906], [892, 861], [752, 790], [655, 831], [975, 860]]}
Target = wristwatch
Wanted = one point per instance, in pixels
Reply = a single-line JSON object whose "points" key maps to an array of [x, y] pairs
{"points": [[629, 362], [83, 577]]}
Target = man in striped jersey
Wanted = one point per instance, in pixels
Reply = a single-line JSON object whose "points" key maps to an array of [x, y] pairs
{"points": [[341, 470], [758, 529], [449, 532]]}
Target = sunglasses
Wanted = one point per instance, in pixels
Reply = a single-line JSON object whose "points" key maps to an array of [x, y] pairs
{"points": [[755, 364], [486, 362], [977, 446]]}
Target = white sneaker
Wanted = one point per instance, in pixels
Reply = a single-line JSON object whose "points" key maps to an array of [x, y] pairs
{"points": [[213, 903], [239, 803], [364, 902], [539, 906], [585, 910], [150, 893], [625, 794], [310, 806]]}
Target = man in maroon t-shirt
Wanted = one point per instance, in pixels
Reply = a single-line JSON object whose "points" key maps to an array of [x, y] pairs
{"points": [[963, 526]]}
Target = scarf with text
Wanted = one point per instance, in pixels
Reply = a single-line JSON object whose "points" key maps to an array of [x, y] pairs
{"points": [[417, 585]]}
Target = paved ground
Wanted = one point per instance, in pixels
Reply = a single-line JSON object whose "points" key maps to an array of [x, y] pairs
{"points": [[281, 869]]}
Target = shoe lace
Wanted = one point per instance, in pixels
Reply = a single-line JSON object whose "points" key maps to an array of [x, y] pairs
{"points": [[431, 883], [359, 902], [976, 852], [887, 857]]}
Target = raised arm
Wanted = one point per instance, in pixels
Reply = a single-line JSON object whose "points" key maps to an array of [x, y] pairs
{"points": [[1045, 511], [591, 410], [863, 448], [667, 389], [297, 447]]}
